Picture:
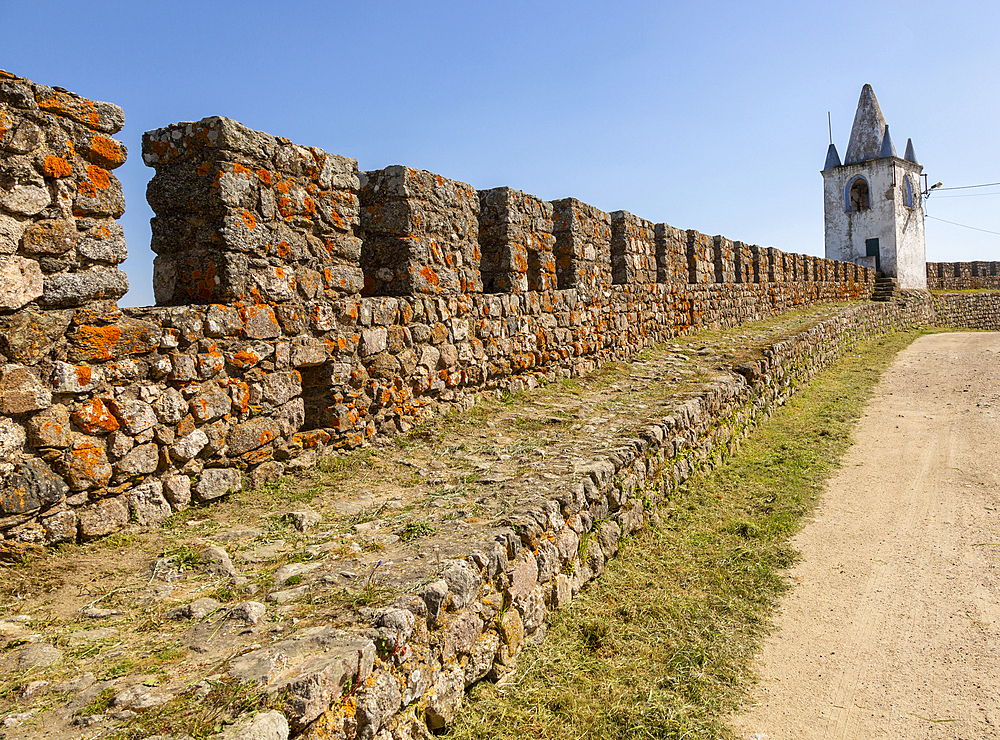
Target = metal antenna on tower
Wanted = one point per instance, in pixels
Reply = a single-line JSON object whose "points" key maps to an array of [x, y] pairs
{"points": [[829, 123]]}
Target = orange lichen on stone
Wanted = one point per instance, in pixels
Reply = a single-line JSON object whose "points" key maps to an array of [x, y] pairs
{"points": [[70, 106], [249, 220], [57, 167], [241, 170], [99, 179], [309, 439], [83, 374], [429, 275], [204, 285], [264, 176], [286, 206], [205, 168], [97, 343], [245, 358], [108, 149], [95, 418]]}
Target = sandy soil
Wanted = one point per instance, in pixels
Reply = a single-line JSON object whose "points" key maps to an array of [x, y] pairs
{"points": [[892, 626]]}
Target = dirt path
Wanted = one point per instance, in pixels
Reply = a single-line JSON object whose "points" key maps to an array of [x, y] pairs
{"points": [[892, 626]]}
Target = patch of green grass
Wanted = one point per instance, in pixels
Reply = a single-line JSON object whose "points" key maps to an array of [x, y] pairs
{"points": [[183, 556], [414, 530], [118, 669], [99, 704], [662, 645]]}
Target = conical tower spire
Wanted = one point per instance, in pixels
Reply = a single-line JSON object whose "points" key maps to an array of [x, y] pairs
{"points": [[832, 158], [867, 131], [910, 155], [887, 149]]}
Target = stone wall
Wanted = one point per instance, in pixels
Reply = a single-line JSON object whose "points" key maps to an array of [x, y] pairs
{"points": [[963, 275], [303, 305], [476, 618], [968, 310]]}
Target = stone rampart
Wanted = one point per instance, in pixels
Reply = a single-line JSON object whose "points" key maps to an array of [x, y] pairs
{"points": [[968, 310], [302, 304], [963, 275], [474, 620]]}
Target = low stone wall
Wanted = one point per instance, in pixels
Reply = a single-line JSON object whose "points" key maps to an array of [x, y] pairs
{"points": [[304, 304], [473, 622], [963, 275], [968, 310]]}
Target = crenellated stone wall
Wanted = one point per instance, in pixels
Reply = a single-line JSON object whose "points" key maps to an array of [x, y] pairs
{"points": [[963, 275], [302, 305]]}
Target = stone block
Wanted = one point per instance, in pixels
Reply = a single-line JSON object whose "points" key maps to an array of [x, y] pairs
{"points": [[78, 288], [11, 231], [252, 434], [177, 491], [28, 334], [633, 249], [21, 391], [85, 465], [104, 241], [21, 282], [96, 115], [24, 200], [515, 235], [445, 699], [114, 341], [32, 485], [140, 460], [94, 417], [187, 447], [217, 482], [210, 403], [49, 237], [49, 428], [101, 519], [147, 503], [60, 527], [422, 233], [67, 378], [134, 416], [582, 246]]}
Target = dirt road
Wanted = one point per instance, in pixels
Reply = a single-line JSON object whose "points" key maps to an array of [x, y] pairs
{"points": [[892, 626]]}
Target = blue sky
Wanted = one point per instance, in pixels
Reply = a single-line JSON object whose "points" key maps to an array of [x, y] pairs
{"points": [[709, 115]]}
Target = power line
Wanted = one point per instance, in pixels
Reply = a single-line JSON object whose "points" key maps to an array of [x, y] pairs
{"points": [[967, 195], [966, 187], [987, 231]]}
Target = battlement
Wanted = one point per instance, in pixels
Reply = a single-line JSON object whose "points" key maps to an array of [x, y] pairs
{"points": [[302, 304], [963, 275]]}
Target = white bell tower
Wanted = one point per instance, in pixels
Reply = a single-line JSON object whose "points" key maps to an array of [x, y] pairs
{"points": [[872, 202]]}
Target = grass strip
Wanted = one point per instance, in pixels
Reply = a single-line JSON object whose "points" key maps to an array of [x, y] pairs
{"points": [[662, 646]]}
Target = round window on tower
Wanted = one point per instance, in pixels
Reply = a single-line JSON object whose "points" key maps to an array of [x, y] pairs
{"points": [[856, 194]]}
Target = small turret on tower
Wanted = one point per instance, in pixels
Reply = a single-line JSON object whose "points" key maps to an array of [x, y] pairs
{"points": [[874, 211], [832, 158]]}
